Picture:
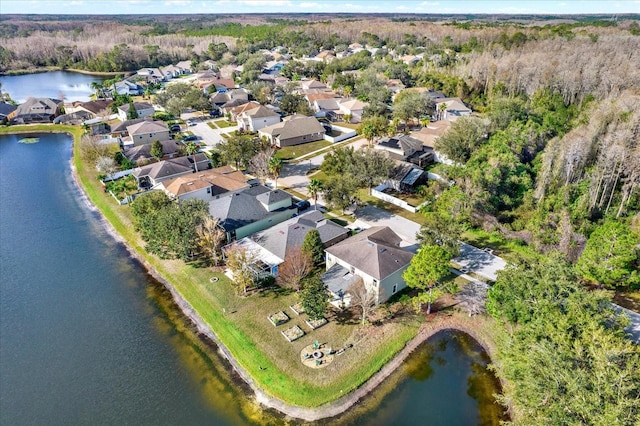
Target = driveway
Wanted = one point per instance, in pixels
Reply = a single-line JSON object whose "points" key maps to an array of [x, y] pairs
{"points": [[481, 262], [208, 136], [406, 229]]}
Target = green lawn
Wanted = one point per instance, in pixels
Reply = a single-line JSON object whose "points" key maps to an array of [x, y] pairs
{"points": [[225, 123], [296, 151], [510, 250], [242, 324], [212, 124]]}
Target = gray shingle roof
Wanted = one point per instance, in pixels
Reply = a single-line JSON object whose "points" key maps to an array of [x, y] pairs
{"points": [[238, 210], [164, 168], [285, 236], [338, 279], [294, 128], [374, 251]]}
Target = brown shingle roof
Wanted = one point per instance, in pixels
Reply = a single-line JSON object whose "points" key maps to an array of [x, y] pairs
{"points": [[221, 180]]}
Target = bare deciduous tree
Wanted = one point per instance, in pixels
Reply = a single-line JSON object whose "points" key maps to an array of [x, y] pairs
{"points": [[472, 298], [296, 267], [210, 239], [362, 297], [239, 262], [259, 164]]}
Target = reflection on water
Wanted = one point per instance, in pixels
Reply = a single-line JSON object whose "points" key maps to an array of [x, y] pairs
{"points": [[87, 337], [444, 382], [56, 84]]}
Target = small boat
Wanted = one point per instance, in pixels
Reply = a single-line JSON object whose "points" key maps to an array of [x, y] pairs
{"points": [[29, 140]]}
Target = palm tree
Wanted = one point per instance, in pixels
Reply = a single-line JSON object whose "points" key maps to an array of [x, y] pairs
{"points": [[347, 118], [96, 86], [441, 109], [192, 149], [275, 167], [314, 188], [346, 90]]}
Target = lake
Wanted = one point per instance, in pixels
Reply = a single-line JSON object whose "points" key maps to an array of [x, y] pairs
{"points": [[88, 337], [74, 86]]}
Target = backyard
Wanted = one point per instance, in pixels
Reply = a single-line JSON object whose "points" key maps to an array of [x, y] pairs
{"points": [[243, 323]]}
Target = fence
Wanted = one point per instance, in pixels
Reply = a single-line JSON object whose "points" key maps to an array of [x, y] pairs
{"points": [[378, 192], [346, 133]]}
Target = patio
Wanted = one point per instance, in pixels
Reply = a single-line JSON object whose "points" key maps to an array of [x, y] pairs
{"points": [[317, 355]]}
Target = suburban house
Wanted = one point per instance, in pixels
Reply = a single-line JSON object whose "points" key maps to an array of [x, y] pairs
{"points": [[97, 108], [353, 107], [170, 149], [294, 130], [407, 148], [206, 184], [120, 130], [374, 256], [451, 109], [185, 66], [143, 109], [252, 210], [171, 71], [151, 75], [148, 131], [406, 177], [257, 118], [271, 246], [36, 110], [233, 96], [97, 126], [335, 108], [126, 87], [312, 84], [6, 110], [429, 134], [152, 174], [77, 117], [235, 111]]}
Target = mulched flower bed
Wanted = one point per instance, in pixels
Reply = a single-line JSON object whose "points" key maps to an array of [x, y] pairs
{"points": [[313, 324], [278, 318], [293, 333], [297, 308]]}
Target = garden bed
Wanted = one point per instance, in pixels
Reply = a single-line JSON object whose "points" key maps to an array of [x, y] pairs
{"points": [[278, 318], [293, 333], [313, 324], [297, 308]]}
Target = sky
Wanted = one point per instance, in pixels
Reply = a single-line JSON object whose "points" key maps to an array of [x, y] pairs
{"points": [[109, 7]]}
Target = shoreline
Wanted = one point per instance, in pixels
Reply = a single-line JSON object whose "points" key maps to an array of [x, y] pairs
{"points": [[41, 70], [328, 410]]}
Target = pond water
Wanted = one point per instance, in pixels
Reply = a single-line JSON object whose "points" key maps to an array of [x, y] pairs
{"points": [[87, 337], [73, 86]]}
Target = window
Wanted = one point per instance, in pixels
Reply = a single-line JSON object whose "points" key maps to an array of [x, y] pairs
{"points": [[395, 288]]}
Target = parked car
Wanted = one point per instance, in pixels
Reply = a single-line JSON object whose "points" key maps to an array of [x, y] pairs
{"points": [[303, 205], [214, 113], [190, 138], [190, 123]]}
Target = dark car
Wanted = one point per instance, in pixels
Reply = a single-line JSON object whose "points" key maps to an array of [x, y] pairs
{"points": [[190, 138], [303, 205], [214, 113]]}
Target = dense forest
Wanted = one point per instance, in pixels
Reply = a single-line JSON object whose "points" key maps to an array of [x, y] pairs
{"points": [[549, 163]]}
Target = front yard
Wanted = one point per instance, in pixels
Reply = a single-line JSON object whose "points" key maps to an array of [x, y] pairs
{"points": [[296, 151]]}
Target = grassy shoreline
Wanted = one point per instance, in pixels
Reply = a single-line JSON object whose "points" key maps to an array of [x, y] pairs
{"points": [[39, 70], [273, 374]]}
